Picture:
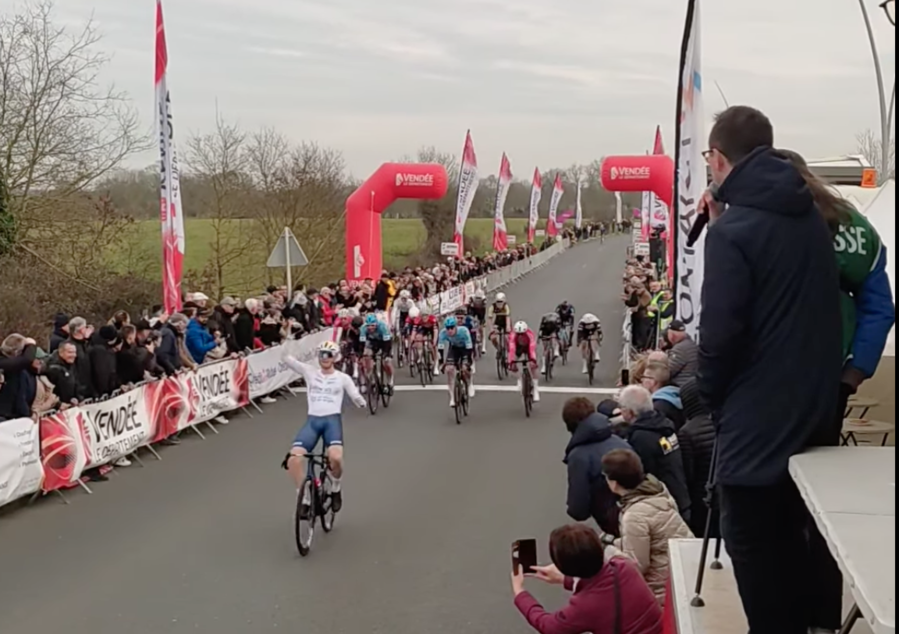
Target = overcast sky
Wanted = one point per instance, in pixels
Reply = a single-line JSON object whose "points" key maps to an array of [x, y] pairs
{"points": [[551, 83]]}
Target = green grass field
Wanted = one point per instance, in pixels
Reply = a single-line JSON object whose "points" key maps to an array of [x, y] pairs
{"points": [[402, 239]]}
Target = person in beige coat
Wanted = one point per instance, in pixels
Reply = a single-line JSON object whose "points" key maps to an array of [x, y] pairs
{"points": [[649, 517]]}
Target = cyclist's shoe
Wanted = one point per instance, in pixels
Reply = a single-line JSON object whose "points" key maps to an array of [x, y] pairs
{"points": [[518, 384], [584, 371], [543, 366], [452, 400], [436, 371], [336, 501], [474, 369], [362, 388], [536, 392], [305, 505], [471, 390]]}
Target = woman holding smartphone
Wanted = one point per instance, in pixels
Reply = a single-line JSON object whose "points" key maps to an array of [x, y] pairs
{"points": [[608, 597]]}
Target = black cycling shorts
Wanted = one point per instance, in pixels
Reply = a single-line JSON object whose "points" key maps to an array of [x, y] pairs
{"points": [[456, 354], [385, 347]]}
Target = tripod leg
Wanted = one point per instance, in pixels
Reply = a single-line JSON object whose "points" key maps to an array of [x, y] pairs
{"points": [[697, 601]]}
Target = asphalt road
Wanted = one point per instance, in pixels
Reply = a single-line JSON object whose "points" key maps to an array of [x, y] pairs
{"points": [[202, 541]]}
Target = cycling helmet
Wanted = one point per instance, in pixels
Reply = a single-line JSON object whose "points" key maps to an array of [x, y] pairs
{"points": [[564, 303], [328, 347], [480, 294], [343, 313], [426, 310], [414, 312], [405, 294], [461, 311], [357, 322], [520, 327], [589, 318], [449, 323], [501, 298], [551, 317], [371, 319]]}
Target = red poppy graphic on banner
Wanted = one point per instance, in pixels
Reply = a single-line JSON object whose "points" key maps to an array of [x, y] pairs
{"points": [[168, 407], [60, 451]]}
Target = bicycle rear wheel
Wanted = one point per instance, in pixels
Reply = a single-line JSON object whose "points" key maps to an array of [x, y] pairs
{"points": [[304, 518], [548, 364], [591, 364], [460, 394]]}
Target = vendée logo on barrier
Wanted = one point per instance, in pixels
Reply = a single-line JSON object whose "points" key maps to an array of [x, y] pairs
{"points": [[629, 173], [415, 180]]}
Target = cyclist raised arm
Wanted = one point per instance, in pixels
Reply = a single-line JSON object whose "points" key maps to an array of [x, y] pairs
{"points": [[455, 347], [589, 328], [522, 343], [326, 387]]}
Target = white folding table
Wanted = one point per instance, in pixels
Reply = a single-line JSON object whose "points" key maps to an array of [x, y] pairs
{"points": [[851, 492]]}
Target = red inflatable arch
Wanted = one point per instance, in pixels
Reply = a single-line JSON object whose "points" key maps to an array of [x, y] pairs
{"points": [[653, 173], [390, 182]]}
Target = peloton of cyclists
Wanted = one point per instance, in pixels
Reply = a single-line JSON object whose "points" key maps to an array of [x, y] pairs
{"points": [[499, 319], [376, 336], [326, 387], [550, 325], [589, 328], [522, 343], [455, 347]]}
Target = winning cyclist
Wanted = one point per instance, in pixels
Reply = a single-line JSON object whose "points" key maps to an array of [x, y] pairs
{"points": [[522, 342], [477, 308], [589, 328], [326, 387], [565, 311], [499, 317], [376, 336], [550, 325], [455, 346]]}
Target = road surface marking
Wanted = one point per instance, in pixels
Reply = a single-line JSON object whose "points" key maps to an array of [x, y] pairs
{"points": [[544, 389]]}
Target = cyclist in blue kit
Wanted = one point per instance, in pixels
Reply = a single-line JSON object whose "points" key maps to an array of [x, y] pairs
{"points": [[377, 338], [455, 347]]}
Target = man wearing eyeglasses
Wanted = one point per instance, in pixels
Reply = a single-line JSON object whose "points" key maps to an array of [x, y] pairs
{"points": [[769, 359]]}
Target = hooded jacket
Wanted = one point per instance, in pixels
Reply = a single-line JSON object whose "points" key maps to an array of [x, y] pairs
{"points": [[588, 492], [198, 341], [770, 336], [655, 440], [667, 402], [649, 518], [683, 359], [697, 443]]}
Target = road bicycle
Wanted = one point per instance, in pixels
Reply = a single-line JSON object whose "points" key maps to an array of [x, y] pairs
{"points": [[314, 502], [376, 386], [548, 357], [591, 360], [460, 391], [424, 363], [565, 343], [502, 367], [527, 385]]}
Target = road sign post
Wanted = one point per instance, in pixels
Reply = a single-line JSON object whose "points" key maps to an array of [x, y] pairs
{"points": [[287, 253]]}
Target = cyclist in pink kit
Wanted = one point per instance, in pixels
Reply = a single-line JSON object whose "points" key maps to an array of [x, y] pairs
{"points": [[523, 343]]}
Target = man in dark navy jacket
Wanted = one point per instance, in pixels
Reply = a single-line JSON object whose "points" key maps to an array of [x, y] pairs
{"points": [[769, 361]]}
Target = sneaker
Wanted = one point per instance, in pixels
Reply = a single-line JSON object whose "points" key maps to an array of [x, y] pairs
{"points": [[122, 462], [584, 371], [268, 400], [221, 420], [336, 501], [171, 441]]}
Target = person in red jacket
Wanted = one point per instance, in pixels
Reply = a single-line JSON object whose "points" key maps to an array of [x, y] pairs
{"points": [[609, 597]]}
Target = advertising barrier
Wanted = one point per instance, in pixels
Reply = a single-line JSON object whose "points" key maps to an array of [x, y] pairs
{"points": [[54, 453]]}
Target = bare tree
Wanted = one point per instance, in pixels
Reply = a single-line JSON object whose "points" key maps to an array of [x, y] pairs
{"points": [[219, 161], [870, 146], [438, 216], [60, 129]]}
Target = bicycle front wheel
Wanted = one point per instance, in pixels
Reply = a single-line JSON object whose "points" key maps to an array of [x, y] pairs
{"points": [[372, 394], [460, 394], [328, 515], [304, 517], [527, 392]]}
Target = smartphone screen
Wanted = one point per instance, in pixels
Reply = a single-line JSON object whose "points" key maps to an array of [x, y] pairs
{"points": [[524, 553], [625, 377]]}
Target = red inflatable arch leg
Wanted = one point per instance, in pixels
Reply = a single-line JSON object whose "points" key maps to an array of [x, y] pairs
{"points": [[390, 182], [652, 173]]}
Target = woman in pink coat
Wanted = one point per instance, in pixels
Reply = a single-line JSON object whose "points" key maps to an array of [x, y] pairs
{"points": [[608, 597]]}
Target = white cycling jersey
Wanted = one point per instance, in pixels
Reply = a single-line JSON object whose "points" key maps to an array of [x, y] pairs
{"points": [[325, 391]]}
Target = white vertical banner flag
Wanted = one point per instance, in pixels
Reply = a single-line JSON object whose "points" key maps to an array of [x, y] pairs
{"points": [[619, 208], [578, 208], [468, 185], [534, 211], [169, 179], [691, 180], [503, 183], [554, 200]]}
